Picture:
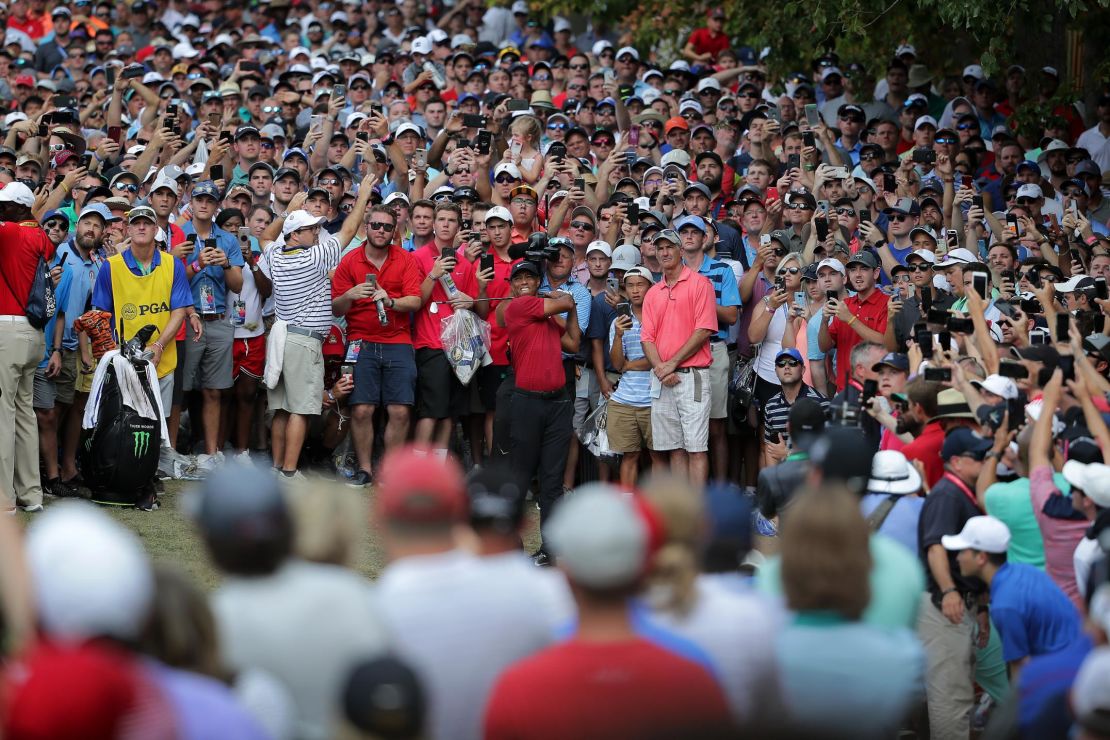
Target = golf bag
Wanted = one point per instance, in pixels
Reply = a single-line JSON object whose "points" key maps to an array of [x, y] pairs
{"points": [[119, 455]]}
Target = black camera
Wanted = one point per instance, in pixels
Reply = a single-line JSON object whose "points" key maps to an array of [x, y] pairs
{"points": [[537, 250]]}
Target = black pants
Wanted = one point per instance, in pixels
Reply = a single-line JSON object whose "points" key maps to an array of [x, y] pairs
{"points": [[539, 433]]}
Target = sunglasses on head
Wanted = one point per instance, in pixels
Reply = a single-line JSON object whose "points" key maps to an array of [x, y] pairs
{"points": [[787, 362]]}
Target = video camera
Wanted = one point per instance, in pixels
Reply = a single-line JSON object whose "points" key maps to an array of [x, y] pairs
{"points": [[537, 250]]}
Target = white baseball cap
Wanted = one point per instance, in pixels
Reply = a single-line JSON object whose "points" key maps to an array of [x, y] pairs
{"points": [[833, 263], [1090, 692], [925, 121], [709, 83], [599, 246], [974, 70], [422, 45], [299, 219], [959, 256], [406, 127], [509, 167], [998, 385], [600, 538], [1092, 479], [1029, 190], [983, 533], [924, 254], [164, 182], [627, 50], [500, 212], [17, 192], [395, 195], [625, 257]]}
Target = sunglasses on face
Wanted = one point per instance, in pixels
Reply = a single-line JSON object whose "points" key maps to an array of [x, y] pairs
{"points": [[786, 362], [579, 66], [782, 252], [1068, 194], [902, 278], [846, 211], [946, 140], [541, 78], [966, 126], [799, 207], [523, 201], [556, 127], [791, 270], [583, 225], [380, 226], [1031, 276], [347, 207], [920, 267], [899, 217], [576, 87], [505, 179], [54, 225], [328, 181], [128, 188]]}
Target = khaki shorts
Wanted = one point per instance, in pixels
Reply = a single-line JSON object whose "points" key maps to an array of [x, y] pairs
{"points": [[718, 381], [680, 415], [85, 379], [628, 427], [66, 380], [301, 387]]}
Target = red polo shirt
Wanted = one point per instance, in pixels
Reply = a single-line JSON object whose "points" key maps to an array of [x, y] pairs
{"points": [[926, 448], [872, 312], [428, 326], [24, 243], [399, 276], [497, 288], [537, 360]]}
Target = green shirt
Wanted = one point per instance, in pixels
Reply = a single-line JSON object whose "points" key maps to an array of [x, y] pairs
{"points": [[897, 582], [1011, 503]]}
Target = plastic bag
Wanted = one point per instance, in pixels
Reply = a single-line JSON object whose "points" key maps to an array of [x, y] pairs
{"points": [[594, 436], [465, 342]]}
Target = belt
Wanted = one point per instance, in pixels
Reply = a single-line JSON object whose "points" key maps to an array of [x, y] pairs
{"points": [[319, 336], [715, 340], [688, 369], [544, 395], [213, 316], [14, 319]]}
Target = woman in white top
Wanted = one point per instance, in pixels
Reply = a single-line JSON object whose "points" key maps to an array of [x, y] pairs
{"points": [[771, 320]]}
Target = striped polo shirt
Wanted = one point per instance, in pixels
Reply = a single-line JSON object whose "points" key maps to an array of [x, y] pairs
{"points": [[725, 288], [776, 411], [302, 288], [634, 388]]}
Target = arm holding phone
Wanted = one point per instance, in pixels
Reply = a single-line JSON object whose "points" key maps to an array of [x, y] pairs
{"points": [[988, 350], [355, 218], [150, 112]]}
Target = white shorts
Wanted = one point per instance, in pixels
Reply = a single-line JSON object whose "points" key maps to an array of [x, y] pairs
{"points": [[680, 415]]}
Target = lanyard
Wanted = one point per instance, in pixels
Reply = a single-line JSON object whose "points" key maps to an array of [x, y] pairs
{"points": [[963, 487]]}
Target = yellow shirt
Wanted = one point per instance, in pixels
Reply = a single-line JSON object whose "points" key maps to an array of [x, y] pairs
{"points": [[144, 299]]}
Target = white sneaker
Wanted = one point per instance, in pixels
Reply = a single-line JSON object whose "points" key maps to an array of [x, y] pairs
{"points": [[219, 457], [33, 509], [205, 462], [243, 457]]}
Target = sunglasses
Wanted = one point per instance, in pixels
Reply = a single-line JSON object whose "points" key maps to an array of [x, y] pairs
{"points": [[966, 126], [541, 78], [328, 181], [946, 140], [785, 362], [1031, 275], [869, 156], [579, 66], [899, 217], [846, 211], [1068, 194], [347, 207], [506, 179], [920, 267], [799, 207], [749, 96], [782, 252], [523, 201], [267, 145], [902, 278], [380, 226], [556, 127], [791, 270], [54, 225], [128, 188], [583, 225]]}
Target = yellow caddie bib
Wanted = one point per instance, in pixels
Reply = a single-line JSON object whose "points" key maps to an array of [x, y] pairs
{"points": [[139, 300]]}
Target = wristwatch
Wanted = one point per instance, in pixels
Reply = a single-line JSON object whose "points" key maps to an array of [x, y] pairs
{"points": [[991, 455]]}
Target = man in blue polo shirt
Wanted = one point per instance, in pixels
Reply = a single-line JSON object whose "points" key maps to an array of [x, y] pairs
{"points": [[1032, 614], [214, 267], [692, 231]]}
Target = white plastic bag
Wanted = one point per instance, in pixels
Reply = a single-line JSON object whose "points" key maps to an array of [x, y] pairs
{"points": [[593, 433], [465, 342]]}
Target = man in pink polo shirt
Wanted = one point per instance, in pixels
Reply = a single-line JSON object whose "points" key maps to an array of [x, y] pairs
{"points": [[679, 316]]}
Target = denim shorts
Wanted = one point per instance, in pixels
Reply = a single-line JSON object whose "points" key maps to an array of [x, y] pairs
{"points": [[385, 375]]}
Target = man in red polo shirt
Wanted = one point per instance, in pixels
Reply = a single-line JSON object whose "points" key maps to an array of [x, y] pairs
{"points": [[440, 396], [857, 318], [376, 287], [21, 345], [679, 316], [493, 285]]}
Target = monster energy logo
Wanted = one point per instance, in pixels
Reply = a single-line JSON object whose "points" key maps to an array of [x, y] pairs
{"points": [[142, 443]]}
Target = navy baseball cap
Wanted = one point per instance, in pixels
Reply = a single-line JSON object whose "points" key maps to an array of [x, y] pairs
{"points": [[206, 187], [964, 442], [896, 360]]}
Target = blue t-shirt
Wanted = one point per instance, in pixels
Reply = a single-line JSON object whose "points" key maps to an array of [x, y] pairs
{"points": [[74, 290], [212, 275], [725, 289], [180, 297], [602, 315], [1032, 614], [899, 257], [901, 522]]}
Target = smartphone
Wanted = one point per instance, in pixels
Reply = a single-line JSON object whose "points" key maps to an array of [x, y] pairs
{"points": [[952, 237], [864, 215], [980, 282], [831, 295], [889, 183], [245, 236], [612, 284], [115, 133], [1072, 208], [470, 120], [808, 140], [483, 142], [813, 118], [938, 374], [215, 118], [944, 339], [924, 156], [633, 213], [634, 136], [1038, 336], [43, 131], [822, 225], [958, 325], [86, 161], [226, 136], [624, 309], [1030, 306], [363, 136], [372, 280], [793, 162], [870, 390], [1100, 288], [516, 104], [376, 109], [580, 183], [800, 298], [924, 339], [132, 71], [255, 67], [110, 75], [515, 147], [216, 172], [1010, 369], [625, 91], [347, 370], [938, 316], [1067, 366], [977, 201], [172, 110], [1063, 328], [764, 239], [1011, 226], [338, 91], [210, 243], [558, 150], [485, 262]]}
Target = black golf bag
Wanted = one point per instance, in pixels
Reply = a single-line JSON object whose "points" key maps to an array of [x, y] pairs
{"points": [[119, 457]]}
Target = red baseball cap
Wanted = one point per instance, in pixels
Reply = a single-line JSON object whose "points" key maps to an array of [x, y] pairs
{"points": [[415, 486], [25, 80], [676, 122]]}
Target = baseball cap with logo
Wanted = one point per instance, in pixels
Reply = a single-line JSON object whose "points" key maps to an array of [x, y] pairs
{"points": [[1093, 479], [300, 219], [141, 212], [959, 256], [499, 212], [641, 272], [625, 257], [983, 533], [17, 192], [206, 188]]}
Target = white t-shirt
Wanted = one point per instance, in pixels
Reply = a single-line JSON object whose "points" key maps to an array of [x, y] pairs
{"points": [[253, 303], [1087, 555], [459, 620], [736, 626], [307, 625]]}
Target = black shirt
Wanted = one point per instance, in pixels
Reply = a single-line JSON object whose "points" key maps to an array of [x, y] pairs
{"points": [[946, 510]]}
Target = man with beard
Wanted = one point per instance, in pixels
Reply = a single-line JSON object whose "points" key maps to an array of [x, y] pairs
{"points": [[711, 171], [862, 317], [72, 299]]}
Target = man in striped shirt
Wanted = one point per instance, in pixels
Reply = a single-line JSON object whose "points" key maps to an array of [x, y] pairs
{"points": [[300, 269], [789, 367]]}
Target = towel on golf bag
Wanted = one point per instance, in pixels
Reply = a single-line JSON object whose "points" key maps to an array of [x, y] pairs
{"points": [[131, 390]]}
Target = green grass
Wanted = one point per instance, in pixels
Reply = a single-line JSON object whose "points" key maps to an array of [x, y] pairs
{"points": [[170, 537]]}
